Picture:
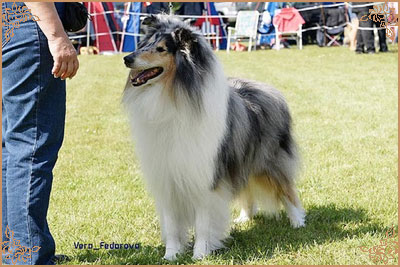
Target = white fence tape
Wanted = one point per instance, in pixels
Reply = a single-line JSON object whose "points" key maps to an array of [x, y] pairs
{"points": [[72, 37], [226, 16], [147, 14], [340, 4]]}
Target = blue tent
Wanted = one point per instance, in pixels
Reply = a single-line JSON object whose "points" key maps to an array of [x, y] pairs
{"points": [[132, 26], [213, 12]]}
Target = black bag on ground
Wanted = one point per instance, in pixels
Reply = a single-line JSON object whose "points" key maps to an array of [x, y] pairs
{"points": [[75, 16]]}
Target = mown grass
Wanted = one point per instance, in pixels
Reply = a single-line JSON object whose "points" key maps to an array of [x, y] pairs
{"points": [[344, 108]]}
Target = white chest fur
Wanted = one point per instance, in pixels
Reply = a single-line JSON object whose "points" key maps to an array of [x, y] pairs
{"points": [[176, 145]]}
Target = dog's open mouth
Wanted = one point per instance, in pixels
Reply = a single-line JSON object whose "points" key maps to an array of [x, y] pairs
{"points": [[145, 75]]}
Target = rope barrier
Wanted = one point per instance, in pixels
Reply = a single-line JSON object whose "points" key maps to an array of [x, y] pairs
{"points": [[364, 5], [147, 14], [72, 37], [342, 25], [319, 6], [232, 16], [224, 16], [340, 4]]}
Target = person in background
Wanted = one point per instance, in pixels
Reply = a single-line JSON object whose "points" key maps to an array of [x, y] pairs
{"points": [[382, 37], [381, 34], [393, 18], [364, 37], [36, 62]]}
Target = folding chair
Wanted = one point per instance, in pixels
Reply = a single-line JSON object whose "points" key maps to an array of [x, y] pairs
{"points": [[289, 35], [288, 24], [333, 22], [211, 33], [245, 27], [334, 35]]}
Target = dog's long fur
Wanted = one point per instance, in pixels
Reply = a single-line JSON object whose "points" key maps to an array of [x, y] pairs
{"points": [[203, 139]]}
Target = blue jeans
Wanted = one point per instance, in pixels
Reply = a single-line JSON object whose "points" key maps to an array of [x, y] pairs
{"points": [[33, 106]]}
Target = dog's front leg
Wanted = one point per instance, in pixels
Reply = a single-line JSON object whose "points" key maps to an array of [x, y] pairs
{"points": [[202, 242], [211, 223], [171, 234]]}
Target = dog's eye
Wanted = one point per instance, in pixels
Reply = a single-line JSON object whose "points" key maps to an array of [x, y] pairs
{"points": [[160, 49]]}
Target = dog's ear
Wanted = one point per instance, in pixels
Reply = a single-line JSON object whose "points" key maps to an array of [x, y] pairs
{"points": [[151, 21], [184, 38]]}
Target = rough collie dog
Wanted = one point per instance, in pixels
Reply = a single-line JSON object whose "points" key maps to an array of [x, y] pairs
{"points": [[203, 139]]}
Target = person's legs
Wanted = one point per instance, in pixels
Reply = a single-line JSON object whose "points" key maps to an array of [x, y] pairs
{"points": [[367, 35], [359, 36], [382, 38], [4, 158], [34, 109], [360, 42]]}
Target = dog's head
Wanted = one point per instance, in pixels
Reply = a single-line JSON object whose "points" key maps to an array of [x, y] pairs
{"points": [[171, 51]]}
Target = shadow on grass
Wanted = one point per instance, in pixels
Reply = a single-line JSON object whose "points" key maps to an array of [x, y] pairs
{"points": [[323, 224], [264, 235]]}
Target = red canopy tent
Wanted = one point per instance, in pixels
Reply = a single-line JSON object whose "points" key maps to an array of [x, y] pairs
{"points": [[103, 26]]}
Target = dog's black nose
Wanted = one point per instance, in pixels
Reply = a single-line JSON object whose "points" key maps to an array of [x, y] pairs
{"points": [[128, 60]]}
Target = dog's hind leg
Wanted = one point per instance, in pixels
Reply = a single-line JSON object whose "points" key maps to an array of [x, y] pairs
{"points": [[282, 177], [293, 207], [247, 205], [277, 191]]}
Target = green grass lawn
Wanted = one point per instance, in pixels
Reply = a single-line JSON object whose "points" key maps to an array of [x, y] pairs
{"points": [[344, 108]]}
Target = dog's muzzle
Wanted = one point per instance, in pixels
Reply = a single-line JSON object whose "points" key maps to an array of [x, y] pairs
{"points": [[129, 60]]}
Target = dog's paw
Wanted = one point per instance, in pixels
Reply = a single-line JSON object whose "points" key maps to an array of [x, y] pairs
{"points": [[245, 215], [170, 256], [173, 250], [297, 215], [299, 220], [241, 219], [198, 255], [201, 249], [298, 224]]}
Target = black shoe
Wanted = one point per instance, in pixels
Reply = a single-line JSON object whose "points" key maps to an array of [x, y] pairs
{"points": [[384, 51], [359, 52]]}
